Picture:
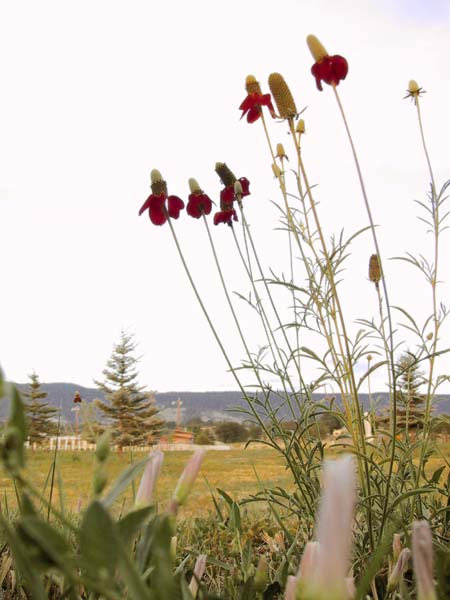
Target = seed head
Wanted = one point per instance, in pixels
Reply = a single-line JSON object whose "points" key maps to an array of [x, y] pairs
{"points": [[300, 126], [276, 170], [280, 151], [413, 87], [194, 186], [157, 183], [316, 48], [374, 269], [238, 189], [251, 85], [282, 96], [226, 175]]}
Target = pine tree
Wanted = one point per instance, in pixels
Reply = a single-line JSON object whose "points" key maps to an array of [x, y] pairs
{"points": [[129, 408], [410, 400], [40, 415]]}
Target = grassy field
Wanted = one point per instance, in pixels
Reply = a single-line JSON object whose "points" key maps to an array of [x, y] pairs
{"points": [[233, 471]]}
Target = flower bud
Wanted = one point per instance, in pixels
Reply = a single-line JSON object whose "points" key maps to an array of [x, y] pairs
{"points": [[261, 578], [280, 151], [188, 477], [300, 126], [99, 482], [157, 183], [194, 187], [316, 48], [374, 269], [199, 569], [398, 571], [173, 547], [226, 175], [149, 477], [369, 357], [282, 96], [290, 591], [422, 551], [413, 88], [252, 86], [276, 170], [396, 546], [102, 448], [430, 336], [238, 189]]}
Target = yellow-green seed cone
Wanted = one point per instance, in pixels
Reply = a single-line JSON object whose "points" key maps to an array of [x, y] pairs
{"points": [[194, 186], [158, 185], [282, 96], [226, 175], [316, 48], [251, 85]]}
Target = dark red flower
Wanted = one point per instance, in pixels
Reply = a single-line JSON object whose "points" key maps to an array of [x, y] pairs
{"points": [[157, 209], [159, 203], [198, 204], [228, 195], [330, 69], [252, 104], [225, 216]]}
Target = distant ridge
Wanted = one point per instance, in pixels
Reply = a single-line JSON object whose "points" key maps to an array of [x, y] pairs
{"points": [[206, 405]]}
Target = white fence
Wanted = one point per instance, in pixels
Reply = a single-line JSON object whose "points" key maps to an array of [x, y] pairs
{"points": [[76, 444]]}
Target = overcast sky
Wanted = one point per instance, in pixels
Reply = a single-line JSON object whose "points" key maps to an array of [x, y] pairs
{"points": [[97, 93]]}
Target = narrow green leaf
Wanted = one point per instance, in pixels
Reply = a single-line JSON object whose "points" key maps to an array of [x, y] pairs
{"points": [[129, 526], [123, 481], [98, 544], [22, 561]]}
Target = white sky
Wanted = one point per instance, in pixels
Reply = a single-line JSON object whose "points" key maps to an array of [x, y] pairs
{"points": [[97, 93]]}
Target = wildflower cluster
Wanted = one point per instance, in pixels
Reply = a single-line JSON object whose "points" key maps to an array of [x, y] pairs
{"points": [[161, 206]]}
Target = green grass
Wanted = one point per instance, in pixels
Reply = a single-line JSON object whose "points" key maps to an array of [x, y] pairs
{"points": [[233, 471]]}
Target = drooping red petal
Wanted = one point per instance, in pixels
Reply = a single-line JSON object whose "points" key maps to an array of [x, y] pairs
{"points": [[247, 103], [175, 205], [253, 114], [157, 215], [145, 205], [321, 72], [198, 205], [227, 194], [225, 216], [245, 183], [339, 66], [330, 69]]}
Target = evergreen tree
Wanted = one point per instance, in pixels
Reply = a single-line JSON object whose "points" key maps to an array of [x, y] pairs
{"points": [[40, 415], [129, 408], [410, 400]]}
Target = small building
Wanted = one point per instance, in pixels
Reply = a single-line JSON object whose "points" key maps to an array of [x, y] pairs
{"points": [[182, 437]]}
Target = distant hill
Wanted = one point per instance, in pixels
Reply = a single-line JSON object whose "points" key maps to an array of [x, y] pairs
{"points": [[206, 405]]}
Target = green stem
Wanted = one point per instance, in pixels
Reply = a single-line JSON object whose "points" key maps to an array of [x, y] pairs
{"points": [[390, 340]]}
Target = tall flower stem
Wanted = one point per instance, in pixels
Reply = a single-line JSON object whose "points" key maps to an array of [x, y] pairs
{"points": [[341, 334], [292, 229], [266, 286], [390, 340], [211, 325], [282, 373], [436, 322], [233, 312]]}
